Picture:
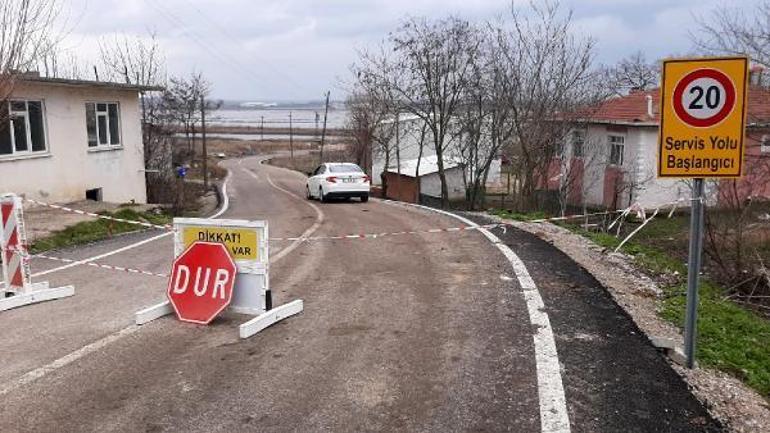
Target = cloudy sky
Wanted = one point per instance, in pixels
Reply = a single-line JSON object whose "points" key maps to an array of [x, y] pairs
{"points": [[297, 49]]}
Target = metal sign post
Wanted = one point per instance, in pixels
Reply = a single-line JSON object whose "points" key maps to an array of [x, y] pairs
{"points": [[693, 270], [702, 126]]}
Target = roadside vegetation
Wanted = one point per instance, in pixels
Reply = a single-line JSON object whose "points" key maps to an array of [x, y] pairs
{"points": [[98, 229], [307, 162], [732, 337]]}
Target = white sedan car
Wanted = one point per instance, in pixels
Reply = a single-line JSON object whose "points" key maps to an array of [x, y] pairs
{"points": [[338, 180]]}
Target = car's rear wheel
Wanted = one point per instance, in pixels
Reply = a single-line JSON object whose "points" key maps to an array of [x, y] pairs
{"points": [[307, 193], [321, 195], [364, 198]]}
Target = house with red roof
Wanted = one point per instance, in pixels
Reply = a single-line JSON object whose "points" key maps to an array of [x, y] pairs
{"points": [[611, 160]]}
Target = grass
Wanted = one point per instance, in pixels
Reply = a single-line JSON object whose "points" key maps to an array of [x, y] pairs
{"points": [[529, 216], [730, 338], [90, 231]]}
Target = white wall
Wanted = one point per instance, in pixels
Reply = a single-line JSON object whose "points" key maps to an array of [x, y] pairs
{"points": [[69, 167], [431, 184], [409, 149], [653, 191], [640, 164]]}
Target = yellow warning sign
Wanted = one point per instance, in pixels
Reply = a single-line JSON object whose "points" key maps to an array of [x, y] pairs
{"points": [[243, 244], [702, 117]]}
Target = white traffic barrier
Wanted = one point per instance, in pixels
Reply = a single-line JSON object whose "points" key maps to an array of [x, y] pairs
{"points": [[248, 244], [19, 289]]}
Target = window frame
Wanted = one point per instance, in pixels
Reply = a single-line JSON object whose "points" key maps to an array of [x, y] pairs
{"points": [[12, 116], [108, 133], [573, 139], [615, 144]]}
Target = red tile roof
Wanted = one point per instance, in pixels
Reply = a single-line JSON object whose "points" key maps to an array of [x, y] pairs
{"points": [[632, 108]]}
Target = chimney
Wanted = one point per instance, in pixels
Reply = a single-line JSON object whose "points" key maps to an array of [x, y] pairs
{"points": [[649, 106]]}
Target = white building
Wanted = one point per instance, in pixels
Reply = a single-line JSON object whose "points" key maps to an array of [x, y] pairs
{"points": [[66, 140], [407, 184], [613, 156], [407, 150]]}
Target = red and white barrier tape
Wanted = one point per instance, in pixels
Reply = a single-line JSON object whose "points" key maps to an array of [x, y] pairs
{"points": [[96, 215], [102, 266], [634, 208]]}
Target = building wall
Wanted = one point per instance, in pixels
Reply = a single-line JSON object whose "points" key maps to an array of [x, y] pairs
{"points": [[756, 171], [69, 167], [638, 172], [431, 184], [402, 188], [409, 149]]}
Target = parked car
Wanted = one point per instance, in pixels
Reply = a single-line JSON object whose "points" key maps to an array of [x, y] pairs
{"points": [[338, 180]]}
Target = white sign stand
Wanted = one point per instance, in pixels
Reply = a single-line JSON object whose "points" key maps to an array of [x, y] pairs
{"points": [[251, 294], [18, 289]]}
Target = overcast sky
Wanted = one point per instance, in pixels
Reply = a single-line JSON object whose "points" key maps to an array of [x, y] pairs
{"points": [[267, 50]]}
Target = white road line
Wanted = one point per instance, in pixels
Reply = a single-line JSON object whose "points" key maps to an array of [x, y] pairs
{"points": [[71, 357], [101, 256], [554, 417], [217, 214], [37, 373], [318, 221]]}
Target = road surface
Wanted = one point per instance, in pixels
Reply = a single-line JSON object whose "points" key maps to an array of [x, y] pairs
{"points": [[425, 332]]}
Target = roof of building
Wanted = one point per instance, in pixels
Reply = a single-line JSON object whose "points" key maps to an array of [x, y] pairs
{"points": [[36, 78], [632, 108], [428, 165]]}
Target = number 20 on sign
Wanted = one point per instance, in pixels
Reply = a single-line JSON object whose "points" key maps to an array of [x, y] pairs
{"points": [[703, 112]]}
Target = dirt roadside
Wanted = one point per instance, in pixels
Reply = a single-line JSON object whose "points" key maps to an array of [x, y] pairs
{"points": [[41, 221], [734, 404]]}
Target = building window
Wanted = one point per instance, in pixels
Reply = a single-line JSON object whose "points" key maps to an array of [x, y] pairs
{"points": [[617, 147], [103, 124], [578, 142], [765, 144], [24, 129]]}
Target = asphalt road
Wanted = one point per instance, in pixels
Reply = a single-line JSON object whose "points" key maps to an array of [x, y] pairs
{"points": [[424, 332]]}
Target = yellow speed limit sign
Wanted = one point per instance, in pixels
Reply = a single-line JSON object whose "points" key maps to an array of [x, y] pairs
{"points": [[702, 117]]}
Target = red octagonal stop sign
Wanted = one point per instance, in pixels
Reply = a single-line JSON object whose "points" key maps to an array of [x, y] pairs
{"points": [[201, 283]]}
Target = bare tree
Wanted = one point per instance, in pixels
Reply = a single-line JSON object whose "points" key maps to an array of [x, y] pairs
{"points": [[553, 87], [367, 114], [26, 28], [134, 60], [140, 61], [581, 164], [427, 65], [634, 72], [731, 30]]}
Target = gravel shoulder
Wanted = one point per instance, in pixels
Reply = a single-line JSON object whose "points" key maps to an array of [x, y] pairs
{"points": [[738, 407]]}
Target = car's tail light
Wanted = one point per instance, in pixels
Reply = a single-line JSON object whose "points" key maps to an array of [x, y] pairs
{"points": [[367, 179], [331, 179]]}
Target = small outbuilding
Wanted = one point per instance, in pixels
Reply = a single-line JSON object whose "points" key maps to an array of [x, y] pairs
{"points": [[409, 185]]}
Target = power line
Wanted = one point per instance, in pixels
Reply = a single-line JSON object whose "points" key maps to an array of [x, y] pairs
{"points": [[197, 39], [282, 74]]}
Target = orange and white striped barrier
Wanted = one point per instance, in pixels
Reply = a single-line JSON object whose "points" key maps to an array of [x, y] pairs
{"points": [[18, 288]]}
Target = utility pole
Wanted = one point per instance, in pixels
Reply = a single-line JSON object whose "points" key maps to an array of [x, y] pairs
{"points": [[398, 156], [262, 128], [291, 139], [323, 132], [205, 151]]}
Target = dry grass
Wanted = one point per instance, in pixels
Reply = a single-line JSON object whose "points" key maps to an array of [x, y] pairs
{"points": [[307, 162]]}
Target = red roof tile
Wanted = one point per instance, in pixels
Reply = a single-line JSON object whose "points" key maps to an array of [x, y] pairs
{"points": [[633, 107]]}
